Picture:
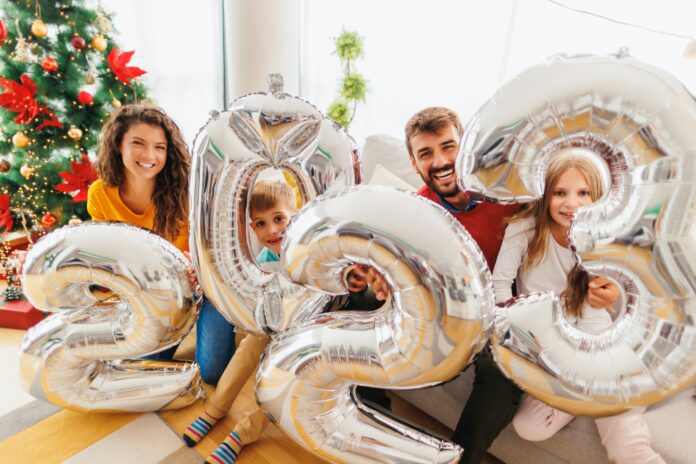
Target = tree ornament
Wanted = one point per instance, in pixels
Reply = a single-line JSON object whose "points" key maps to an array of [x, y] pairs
{"points": [[22, 52], [85, 97], [3, 32], [103, 22], [99, 43], [20, 139], [118, 62], [77, 182], [116, 103], [90, 79], [74, 220], [20, 97], [48, 220], [75, 133], [4, 165], [26, 171], [6, 220], [78, 42], [39, 29], [49, 64]]}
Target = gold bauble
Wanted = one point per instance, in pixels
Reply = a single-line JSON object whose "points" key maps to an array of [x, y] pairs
{"points": [[20, 139], [39, 29], [26, 171], [99, 43], [75, 133]]}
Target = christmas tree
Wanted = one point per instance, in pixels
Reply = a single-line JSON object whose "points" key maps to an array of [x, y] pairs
{"points": [[61, 76]]}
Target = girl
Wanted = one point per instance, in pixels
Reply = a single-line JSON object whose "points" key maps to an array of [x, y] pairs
{"points": [[535, 254], [144, 165]]}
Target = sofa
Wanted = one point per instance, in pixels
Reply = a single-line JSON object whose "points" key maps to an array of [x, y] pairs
{"points": [[672, 423]]}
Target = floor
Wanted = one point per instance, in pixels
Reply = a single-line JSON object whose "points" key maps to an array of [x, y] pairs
{"points": [[38, 432]]}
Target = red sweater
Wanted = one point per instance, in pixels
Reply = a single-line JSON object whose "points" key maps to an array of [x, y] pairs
{"points": [[484, 223]]}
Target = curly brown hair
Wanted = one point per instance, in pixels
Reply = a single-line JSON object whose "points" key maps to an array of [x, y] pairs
{"points": [[170, 196]]}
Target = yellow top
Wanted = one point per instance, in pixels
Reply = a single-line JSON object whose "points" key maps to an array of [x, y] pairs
{"points": [[105, 204]]}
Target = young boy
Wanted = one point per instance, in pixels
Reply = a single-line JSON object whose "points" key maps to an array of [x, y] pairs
{"points": [[271, 207]]}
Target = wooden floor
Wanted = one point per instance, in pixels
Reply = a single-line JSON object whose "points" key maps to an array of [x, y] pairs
{"points": [[273, 447]]}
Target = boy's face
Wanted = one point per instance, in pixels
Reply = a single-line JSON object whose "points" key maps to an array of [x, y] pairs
{"points": [[270, 224]]}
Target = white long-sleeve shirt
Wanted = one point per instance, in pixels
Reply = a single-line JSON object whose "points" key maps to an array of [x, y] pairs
{"points": [[549, 274]]}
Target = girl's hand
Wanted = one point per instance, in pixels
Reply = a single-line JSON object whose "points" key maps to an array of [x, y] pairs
{"points": [[602, 293], [191, 273]]}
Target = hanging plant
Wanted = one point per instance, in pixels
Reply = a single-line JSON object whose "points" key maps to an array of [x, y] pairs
{"points": [[353, 88]]}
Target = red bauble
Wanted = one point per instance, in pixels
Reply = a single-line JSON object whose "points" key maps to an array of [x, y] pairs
{"points": [[3, 32], [78, 42], [49, 64], [85, 98], [48, 220]]}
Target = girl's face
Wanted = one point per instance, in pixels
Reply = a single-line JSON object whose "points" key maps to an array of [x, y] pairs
{"points": [[144, 151], [570, 193]]}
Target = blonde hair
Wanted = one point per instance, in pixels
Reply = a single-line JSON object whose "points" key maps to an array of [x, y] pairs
{"points": [[578, 279], [267, 195]]}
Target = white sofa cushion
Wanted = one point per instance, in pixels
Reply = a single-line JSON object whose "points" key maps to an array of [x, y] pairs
{"points": [[391, 153]]}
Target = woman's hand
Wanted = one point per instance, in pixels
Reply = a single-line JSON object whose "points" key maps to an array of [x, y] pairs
{"points": [[191, 273], [602, 293]]}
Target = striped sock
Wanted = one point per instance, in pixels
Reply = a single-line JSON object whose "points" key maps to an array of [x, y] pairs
{"points": [[228, 450], [199, 429]]}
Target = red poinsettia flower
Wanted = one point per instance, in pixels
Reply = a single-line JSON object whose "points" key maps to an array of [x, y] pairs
{"points": [[3, 32], [119, 65], [79, 180], [6, 220], [18, 97]]}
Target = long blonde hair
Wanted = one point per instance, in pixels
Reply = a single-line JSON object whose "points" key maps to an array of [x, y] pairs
{"points": [[578, 279]]}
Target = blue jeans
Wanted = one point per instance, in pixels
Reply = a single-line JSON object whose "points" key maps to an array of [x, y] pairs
{"points": [[215, 344]]}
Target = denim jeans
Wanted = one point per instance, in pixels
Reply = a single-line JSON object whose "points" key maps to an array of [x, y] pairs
{"points": [[215, 344]]}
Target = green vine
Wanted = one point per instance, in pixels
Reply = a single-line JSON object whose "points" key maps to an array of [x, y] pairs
{"points": [[353, 89]]}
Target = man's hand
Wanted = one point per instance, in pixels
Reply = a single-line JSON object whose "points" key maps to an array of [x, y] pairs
{"points": [[359, 276], [602, 293]]}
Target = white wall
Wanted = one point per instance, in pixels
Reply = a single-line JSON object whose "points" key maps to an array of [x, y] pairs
{"points": [[179, 44], [457, 53]]}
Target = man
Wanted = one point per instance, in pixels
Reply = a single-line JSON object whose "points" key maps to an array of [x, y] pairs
{"points": [[432, 139]]}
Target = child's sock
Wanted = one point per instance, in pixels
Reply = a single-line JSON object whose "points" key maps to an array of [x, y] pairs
{"points": [[199, 429], [228, 450]]}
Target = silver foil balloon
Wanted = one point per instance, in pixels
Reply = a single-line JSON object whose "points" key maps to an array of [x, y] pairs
{"points": [[259, 131], [638, 122], [77, 358], [435, 321]]}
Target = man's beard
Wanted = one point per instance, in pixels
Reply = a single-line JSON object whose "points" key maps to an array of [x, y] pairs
{"points": [[430, 182]]}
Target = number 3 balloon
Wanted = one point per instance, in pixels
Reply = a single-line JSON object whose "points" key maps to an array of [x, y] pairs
{"points": [[638, 122]]}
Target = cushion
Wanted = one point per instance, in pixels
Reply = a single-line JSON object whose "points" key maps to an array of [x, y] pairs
{"points": [[382, 176], [391, 153]]}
